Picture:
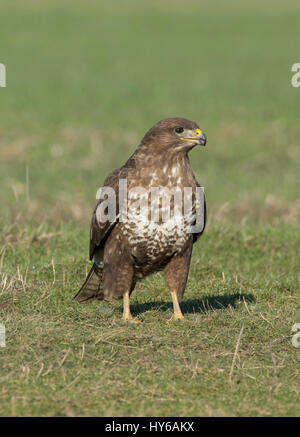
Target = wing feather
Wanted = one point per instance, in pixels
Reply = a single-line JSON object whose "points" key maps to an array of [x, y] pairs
{"points": [[99, 231]]}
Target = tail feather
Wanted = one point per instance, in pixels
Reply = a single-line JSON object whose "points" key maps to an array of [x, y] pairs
{"points": [[91, 288]]}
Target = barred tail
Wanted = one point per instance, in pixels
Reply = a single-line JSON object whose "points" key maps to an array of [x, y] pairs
{"points": [[91, 288]]}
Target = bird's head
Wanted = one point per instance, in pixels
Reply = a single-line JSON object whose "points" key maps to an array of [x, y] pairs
{"points": [[174, 135]]}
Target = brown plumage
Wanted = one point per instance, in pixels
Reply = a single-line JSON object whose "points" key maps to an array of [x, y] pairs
{"points": [[126, 251]]}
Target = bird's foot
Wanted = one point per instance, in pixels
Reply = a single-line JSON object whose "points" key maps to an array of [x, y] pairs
{"points": [[176, 316], [131, 319]]}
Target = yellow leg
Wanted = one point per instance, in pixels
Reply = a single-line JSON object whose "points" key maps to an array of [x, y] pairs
{"points": [[177, 311], [127, 316]]}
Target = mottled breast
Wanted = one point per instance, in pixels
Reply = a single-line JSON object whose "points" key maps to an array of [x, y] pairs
{"points": [[152, 243]]}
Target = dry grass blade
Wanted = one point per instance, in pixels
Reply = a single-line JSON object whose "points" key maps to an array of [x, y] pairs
{"points": [[235, 353]]}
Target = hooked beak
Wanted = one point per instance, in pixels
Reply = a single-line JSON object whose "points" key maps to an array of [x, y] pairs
{"points": [[197, 136]]}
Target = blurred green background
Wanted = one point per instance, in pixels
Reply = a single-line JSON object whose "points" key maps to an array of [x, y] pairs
{"points": [[86, 79]]}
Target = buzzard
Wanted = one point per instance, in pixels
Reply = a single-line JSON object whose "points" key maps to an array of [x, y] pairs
{"points": [[127, 250]]}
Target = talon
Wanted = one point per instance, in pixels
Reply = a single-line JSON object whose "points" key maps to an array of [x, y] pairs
{"points": [[136, 321], [176, 316], [131, 320]]}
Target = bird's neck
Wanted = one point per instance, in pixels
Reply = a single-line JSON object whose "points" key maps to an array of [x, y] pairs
{"points": [[167, 169], [163, 161]]}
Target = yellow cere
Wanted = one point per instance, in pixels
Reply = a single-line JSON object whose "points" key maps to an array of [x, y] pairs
{"points": [[198, 132]]}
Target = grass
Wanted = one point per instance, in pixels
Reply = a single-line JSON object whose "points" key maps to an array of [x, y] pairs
{"points": [[85, 80], [67, 359]]}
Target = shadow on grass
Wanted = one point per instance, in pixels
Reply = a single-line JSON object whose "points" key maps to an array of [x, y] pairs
{"points": [[188, 306]]}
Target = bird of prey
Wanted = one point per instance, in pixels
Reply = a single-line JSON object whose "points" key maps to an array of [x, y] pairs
{"points": [[127, 250]]}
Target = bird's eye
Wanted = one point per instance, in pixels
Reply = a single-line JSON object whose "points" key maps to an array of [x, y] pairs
{"points": [[179, 130]]}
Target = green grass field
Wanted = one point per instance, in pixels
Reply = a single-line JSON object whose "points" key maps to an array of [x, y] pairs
{"points": [[85, 80]]}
